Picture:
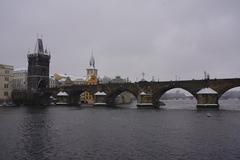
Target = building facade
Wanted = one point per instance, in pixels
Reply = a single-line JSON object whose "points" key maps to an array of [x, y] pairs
{"points": [[6, 79], [20, 79], [38, 68], [118, 79], [105, 80], [53, 82], [58, 80]]}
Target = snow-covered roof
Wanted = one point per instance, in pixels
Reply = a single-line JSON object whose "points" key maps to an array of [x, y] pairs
{"points": [[63, 77], [207, 91], [62, 94], [20, 69], [100, 94], [142, 93], [62, 80], [73, 78]]}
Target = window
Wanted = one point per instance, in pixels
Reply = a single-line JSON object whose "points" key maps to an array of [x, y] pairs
{"points": [[6, 78], [6, 94], [5, 85], [6, 71]]}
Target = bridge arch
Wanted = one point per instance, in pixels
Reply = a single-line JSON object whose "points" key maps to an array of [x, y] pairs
{"points": [[42, 84], [222, 90], [177, 93], [227, 93], [161, 91], [110, 100], [230, 98]]}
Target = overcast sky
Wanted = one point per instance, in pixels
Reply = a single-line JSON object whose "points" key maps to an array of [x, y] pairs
{"points": [[162, 38]]}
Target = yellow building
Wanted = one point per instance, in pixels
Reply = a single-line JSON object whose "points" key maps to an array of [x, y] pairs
{"points": [[91, 80]]}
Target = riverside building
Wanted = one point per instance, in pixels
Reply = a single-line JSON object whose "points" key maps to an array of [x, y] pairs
{"points": [[6, 79], [20, 79]]}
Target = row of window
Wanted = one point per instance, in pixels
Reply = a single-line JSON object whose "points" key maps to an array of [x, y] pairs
{"points": [[5, 78], [19, 81], [20, 74], [5, 71]]}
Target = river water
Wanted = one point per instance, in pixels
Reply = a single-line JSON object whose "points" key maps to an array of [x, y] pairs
{"points": [[177, 131]]}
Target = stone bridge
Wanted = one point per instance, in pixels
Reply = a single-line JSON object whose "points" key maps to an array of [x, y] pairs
{"points": [[152, 91], [146, 93]]}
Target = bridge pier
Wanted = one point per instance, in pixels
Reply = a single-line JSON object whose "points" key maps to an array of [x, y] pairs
{"points": [[73, 100], [62, 98], [145, 100], [100, 99], [207, 98]]}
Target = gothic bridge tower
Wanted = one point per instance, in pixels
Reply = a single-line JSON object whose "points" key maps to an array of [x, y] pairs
{"points": [[38, 68]]}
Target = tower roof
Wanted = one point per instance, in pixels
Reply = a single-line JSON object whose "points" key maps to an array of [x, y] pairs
{"points": [[39, 46], [207, 91], [39, 49], [92, 61]]}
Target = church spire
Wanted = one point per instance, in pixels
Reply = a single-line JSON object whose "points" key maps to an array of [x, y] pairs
{"points": [[92, 61]]}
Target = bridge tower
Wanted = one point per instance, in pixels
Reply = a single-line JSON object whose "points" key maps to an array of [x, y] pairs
{"points": [[38, 68], [91, 80], [92, 72]]}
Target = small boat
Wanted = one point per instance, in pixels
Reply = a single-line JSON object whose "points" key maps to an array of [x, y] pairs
{"points": [[9, 104], [209, 115]]}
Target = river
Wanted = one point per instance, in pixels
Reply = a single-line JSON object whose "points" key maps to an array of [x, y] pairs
{"points": [[176, 131]]}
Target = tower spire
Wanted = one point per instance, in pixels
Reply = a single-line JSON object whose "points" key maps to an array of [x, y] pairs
{"points": [[92, 60], [39, 46]]}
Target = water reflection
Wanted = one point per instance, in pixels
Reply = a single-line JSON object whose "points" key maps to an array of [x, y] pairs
{"points": [[180, 104], [230, 104], [36, 140]]}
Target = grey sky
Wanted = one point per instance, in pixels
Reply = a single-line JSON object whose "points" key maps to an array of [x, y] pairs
{"points": [[162, 38]]}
